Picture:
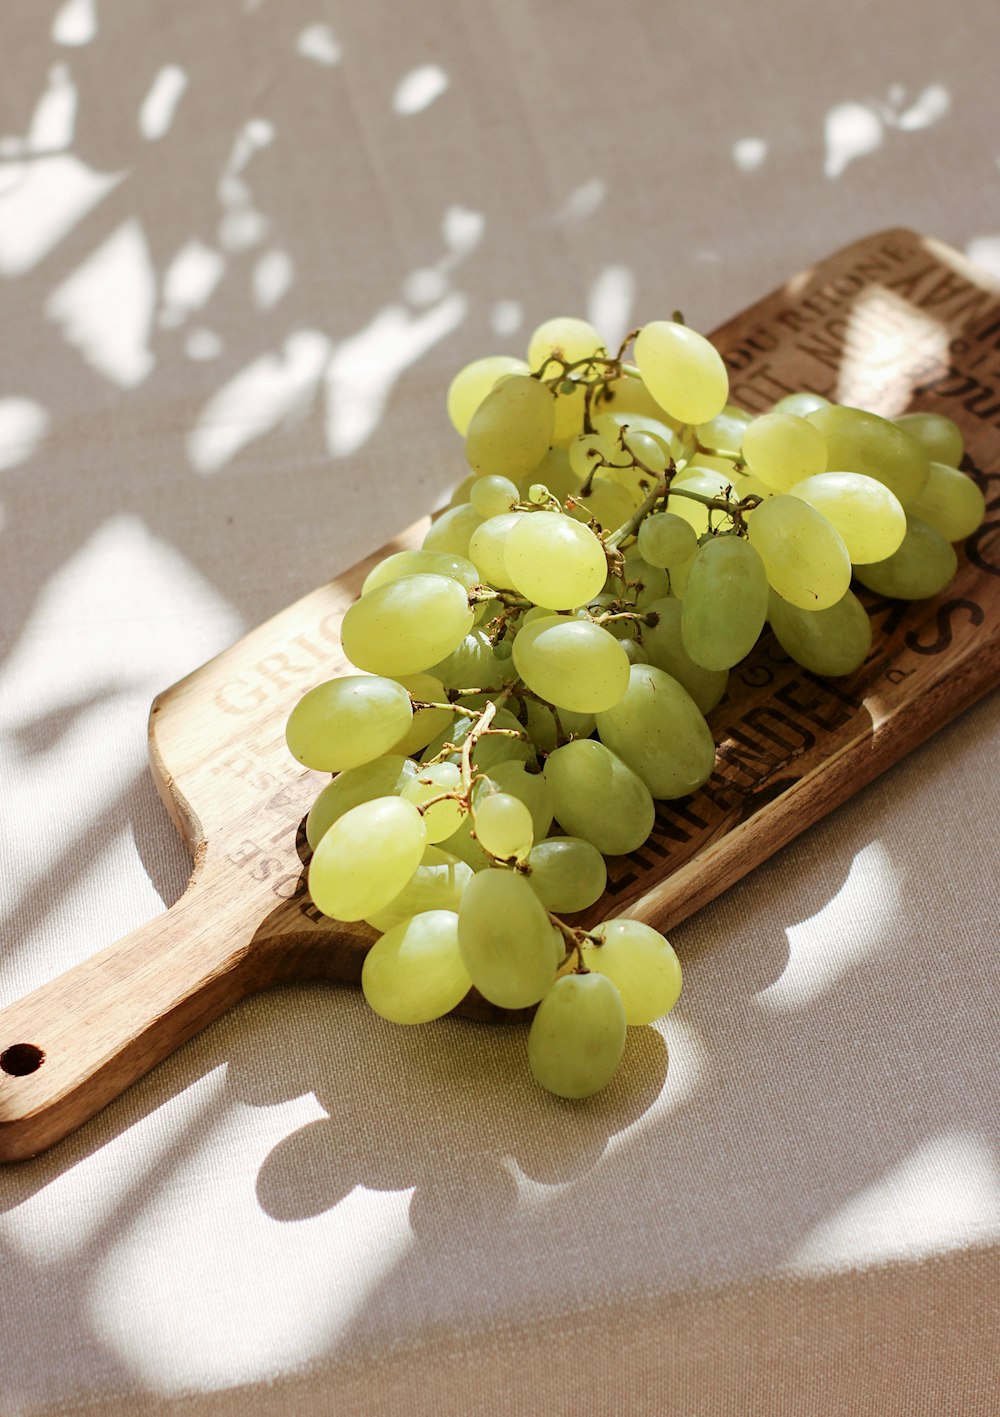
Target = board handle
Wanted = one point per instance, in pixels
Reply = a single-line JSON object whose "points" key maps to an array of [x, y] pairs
{"points": [[77, 1042]]}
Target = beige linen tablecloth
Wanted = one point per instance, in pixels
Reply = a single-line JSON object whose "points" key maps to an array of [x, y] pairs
{"points": [[243, 246]]}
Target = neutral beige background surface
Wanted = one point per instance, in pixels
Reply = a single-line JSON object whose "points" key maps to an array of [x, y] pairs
{"points": [[243, 246]]}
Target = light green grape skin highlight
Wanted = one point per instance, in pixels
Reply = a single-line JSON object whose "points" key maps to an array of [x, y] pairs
{"points": [[642, 965], [415, 973], [506, 939], [503, 826], [922, 566], [346, 722], [829, 642], [436, 884], [451, 531], [858, 441], [487, 545], [366, 858], [412, 563], [782, 449], [554, 561], [596, 796], [682, 370], [805, 557], [406, 626], [577, 1036], [472, 383], [444, 817], [657, 730], [571, 663], [565, 336], [512, 776], [869, 517]]}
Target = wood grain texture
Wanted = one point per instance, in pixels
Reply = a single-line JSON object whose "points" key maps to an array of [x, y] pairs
{"points": [[893, 323]]}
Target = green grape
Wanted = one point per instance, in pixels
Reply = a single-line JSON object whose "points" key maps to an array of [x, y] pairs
{"points": [[516, 779], [570, 409], [471, 385], [805, 557], [572, 663], [608, 503], [650, 582], [725, 603], [406, 626], [366, 858], [472, 664], [595, 795], [577, 1036], [461, 493], [450, 532], [829, 642], [443, 818], [511, 430], [951, 503], [436, 884], [682, 370], [664, 648], [634, 651], [414, 973], [651, 438], [707, 482], [545, 732], [641, 964], [567, 873], [503, 826], [506, 939], [724, 433], [465, 848], [679, 577], [412, 563], [346, 722], [781, 449], [922, 566], [554, 561], [629, 395], [565, 337], [802, 403], [488, 543], [385, 777], [940, 438], [657, 729], [586, 452], [666, 539], [555, 473], [868, 516], [493, 496], [427, 723], [857, 441]]}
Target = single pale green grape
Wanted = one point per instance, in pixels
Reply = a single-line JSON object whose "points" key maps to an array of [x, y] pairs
{"points": [[412, 563], [868, 516], [664, 646], [471, 664], [436, 884], [366, 858], [829, 642], [570, 409], [858, 441], [443, 818], [922, 566], [565, 337], [801, 403], [725, 603], [406, 626], [503, 826], [471, 385], [805, 557], [657, 729], [571, 663], [588, 451], [427, 723], [493, 496], [414, 973], [511, 430], [950, 502], [577, 1036], [567, 873], [940, 438], [450, 532], [666, 539], [595, 795], [488, 543], [346, 722], [635, 652], [608, 503], [518, 779], [679, 577], [724, 433], [630, 395], [385, 777], [506, 939], [682, 370], [641, 964], [782, 449], [554, 561]]}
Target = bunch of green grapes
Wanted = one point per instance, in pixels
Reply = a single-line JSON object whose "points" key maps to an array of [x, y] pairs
{"points": [[537, 675]]}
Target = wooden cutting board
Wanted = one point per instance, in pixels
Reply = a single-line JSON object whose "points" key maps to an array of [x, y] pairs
{"points": [[896, 322]]}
